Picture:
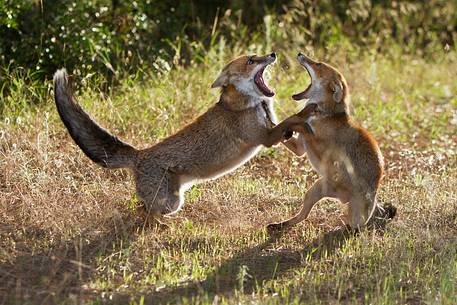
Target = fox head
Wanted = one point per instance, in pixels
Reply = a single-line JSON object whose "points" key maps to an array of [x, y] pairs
{"points": [[328, 88], [245, 74]]}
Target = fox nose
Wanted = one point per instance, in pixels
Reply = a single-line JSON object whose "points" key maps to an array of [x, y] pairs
{"points": [[273, 55]]}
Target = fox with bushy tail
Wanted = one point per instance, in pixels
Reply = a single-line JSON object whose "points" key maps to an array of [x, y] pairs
{"points": [[222, 139]]}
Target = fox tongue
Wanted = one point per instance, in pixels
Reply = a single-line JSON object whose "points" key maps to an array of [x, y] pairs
{"points": [[258, 79]]}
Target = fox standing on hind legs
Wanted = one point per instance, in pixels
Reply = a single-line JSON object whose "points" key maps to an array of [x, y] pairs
{"points": [[219, 141], [345, 155]]}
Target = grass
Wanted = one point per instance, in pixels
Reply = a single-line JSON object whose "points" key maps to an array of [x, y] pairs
{"points": [[68, 234]]}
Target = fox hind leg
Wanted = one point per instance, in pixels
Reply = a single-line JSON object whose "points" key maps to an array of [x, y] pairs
{"points": [[360, 211], [160, 195], [313, 195]]}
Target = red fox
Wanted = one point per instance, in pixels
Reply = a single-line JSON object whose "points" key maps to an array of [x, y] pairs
{"points": [[222, 139], [345, 155]]}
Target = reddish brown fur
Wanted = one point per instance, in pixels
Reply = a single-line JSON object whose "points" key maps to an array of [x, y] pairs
{"points": [[219, 141], [345, 155]]}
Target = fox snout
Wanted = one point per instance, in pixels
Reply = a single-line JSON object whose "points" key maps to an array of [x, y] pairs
{"points": [[264, 60], [305, 60], [272, 57], [310, 65]]}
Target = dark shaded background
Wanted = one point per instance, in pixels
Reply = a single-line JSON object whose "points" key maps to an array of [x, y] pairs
{"points": [[109, 36]]}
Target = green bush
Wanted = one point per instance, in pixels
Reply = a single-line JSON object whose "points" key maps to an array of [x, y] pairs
{"points": [[114, 36]]}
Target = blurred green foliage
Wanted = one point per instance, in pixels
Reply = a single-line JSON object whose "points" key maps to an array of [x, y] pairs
{"points": [[113, 36]]}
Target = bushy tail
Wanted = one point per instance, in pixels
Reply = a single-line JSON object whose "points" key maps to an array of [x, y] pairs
{"points": [[97, 143]]}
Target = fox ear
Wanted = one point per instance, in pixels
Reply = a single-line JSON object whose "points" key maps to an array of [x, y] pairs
{"points": [[338, 91], [221, 81]]}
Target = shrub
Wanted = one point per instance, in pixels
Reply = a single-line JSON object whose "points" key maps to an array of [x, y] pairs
{"points": [[114, 36]]}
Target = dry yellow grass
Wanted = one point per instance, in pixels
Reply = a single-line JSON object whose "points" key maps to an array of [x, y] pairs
{"points": [[69, 235]]}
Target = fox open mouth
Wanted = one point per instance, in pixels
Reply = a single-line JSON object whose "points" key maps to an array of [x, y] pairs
{"points": [[258, 80], [302, 95]]}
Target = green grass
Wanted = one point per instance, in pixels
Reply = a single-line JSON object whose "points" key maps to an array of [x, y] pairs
{"points": [[68, 234]]}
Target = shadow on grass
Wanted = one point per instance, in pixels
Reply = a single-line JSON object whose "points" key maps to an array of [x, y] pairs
{"points": [[261, 262], [55, 273], [59, 272]]}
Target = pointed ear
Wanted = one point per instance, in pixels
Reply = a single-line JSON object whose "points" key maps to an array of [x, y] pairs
{"points": [[221, 81], [338, 91]]}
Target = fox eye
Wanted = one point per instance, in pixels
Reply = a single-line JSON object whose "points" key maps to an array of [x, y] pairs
{"points": [[250, 61]]}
